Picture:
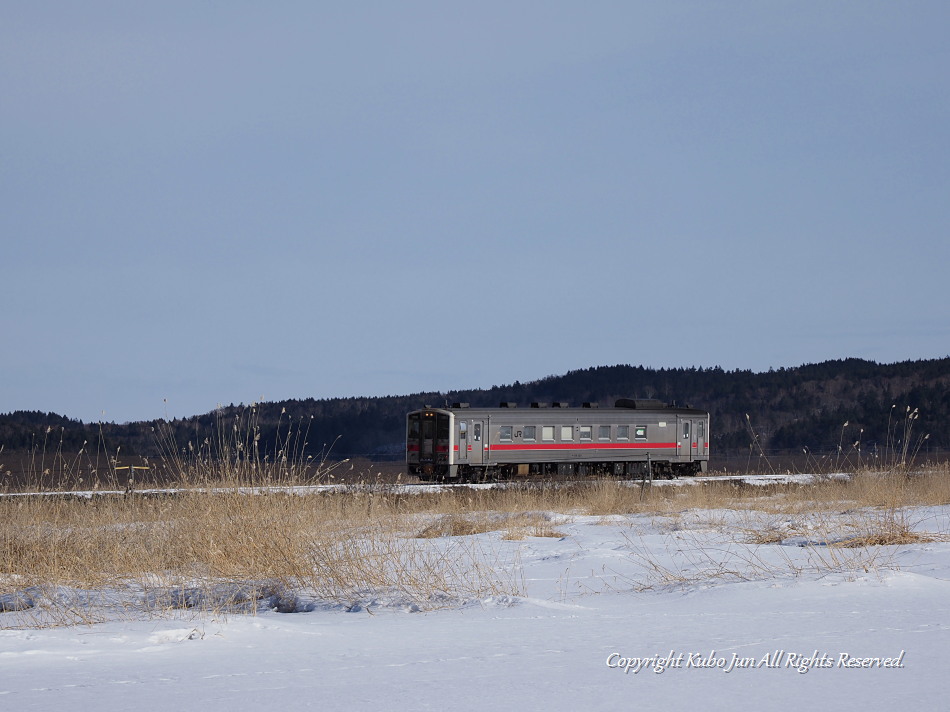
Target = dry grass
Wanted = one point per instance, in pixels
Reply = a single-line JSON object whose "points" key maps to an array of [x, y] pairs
{"points": [[220, 550], [232, 550], [515, 525], [847, 527], [527, 525], [448, 525], [705, 562], [868, 489]]}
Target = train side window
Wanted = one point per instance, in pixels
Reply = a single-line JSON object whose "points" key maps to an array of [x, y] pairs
{"points": [[702, 430], [530, 432], [504, 433], [623, 432], [463, 430], [547, 433], [567, 432], [603, 432], [686, 430], [640, 432], [477, 432], [587, 432]]}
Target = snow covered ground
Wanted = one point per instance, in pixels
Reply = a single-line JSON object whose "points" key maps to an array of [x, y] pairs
{"points": [[684, 611]]}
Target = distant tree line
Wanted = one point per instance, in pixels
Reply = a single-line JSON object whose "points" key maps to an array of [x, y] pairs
{"points": [[820, 407]]}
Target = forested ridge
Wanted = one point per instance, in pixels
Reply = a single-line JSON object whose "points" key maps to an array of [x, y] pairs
{"points": [[816, 406]]}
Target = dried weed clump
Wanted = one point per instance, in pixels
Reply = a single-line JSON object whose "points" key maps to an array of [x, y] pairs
{"points": [[239, 549], [840, 528], [448, 525], [216, 550], [529, 525], [516, 526]]}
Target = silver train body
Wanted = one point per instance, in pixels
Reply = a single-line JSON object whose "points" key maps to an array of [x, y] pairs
{"points": [[636, 437]]}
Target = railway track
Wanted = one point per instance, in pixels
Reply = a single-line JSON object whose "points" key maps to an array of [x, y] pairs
{"points": [[421, 488]]}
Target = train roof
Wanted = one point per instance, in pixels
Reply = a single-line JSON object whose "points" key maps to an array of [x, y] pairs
{"points": [[625, 404]]}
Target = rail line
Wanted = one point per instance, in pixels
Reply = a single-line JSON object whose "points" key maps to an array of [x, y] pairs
{"points": [[423, 488]]}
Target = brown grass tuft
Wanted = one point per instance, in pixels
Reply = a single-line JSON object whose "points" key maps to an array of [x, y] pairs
{"points": [[173, 551]]}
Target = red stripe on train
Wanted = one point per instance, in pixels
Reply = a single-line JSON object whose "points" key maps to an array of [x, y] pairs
{"points": [[584, 446]]}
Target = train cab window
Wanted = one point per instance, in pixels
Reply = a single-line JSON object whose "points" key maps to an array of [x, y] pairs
{"points": [[530, 432], [587, 432], [504, 433], [623, 432], [547, 433], [567, 432], [640, 432], [702, 430]]}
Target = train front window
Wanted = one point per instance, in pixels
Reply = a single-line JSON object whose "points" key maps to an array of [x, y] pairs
{"points": [[415, 428]]}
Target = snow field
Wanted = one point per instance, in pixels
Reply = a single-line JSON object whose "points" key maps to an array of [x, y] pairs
{"points": [[762, 607]]}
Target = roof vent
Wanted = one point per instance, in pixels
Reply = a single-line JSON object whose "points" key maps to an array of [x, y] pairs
{"points": [[507, 404], [640, 403]]}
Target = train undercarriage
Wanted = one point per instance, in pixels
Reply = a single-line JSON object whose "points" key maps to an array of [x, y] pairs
{"points": [[661, 470]]}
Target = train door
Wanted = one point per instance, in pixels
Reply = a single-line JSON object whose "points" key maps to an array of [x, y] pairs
{"points": [[427, 442], [684, 445], [431, 434], [413, 440], [699, 438], [465, 445], [478, 442]]}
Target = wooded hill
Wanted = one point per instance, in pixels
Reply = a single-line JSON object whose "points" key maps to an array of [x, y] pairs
{"points": [[819, 407]]}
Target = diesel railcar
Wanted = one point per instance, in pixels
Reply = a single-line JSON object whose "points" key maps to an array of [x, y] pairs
{"points": [[634, 438]]}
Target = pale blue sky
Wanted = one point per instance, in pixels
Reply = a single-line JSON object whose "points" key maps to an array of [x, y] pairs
{"points": [[213, 202]]}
